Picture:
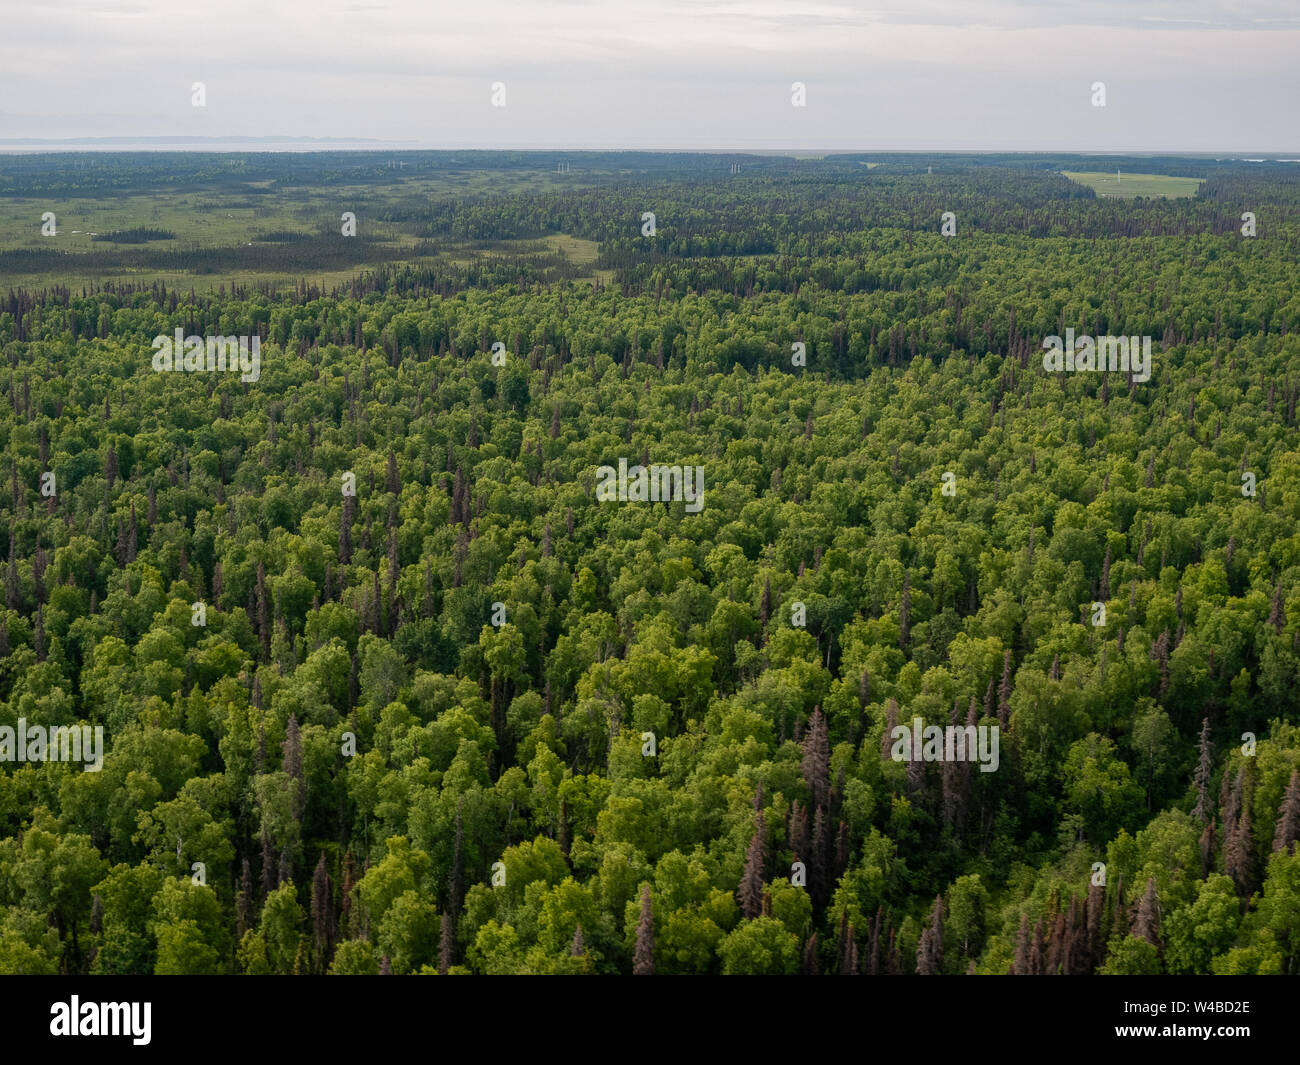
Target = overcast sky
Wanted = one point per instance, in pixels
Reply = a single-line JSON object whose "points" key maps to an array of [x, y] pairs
{"points": [[1180, 75]]}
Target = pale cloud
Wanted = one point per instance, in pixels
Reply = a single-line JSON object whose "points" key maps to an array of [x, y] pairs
{"points": [[1180, 74]]}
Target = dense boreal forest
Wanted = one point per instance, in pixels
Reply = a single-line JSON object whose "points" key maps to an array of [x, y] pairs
{"points": [[385, 688]]}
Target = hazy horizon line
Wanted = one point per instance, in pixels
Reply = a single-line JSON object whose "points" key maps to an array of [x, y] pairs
{"points": [[14, 145]]}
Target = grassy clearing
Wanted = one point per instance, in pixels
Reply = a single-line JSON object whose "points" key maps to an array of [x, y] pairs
{"points": [[392, 215], [1128, 186], [578, 251]]}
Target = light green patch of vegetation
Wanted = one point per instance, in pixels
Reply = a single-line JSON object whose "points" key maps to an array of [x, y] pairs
{"points": [[1127, 186]]}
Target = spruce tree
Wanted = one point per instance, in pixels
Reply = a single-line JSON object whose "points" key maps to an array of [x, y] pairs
{"points": [[268, 865], [808, 958], [643, 956], [1204, 768], [1004, 690], [1237, 841], [1094, 909], [345, 530], [905, 612], [1057, 946], [1207, 845], [929, 950], [11, 574], [1146, 918], [891, 722], [1287, 831], [817, 760], [1038, 950], [872, 961], [346, 929], [244, 902], [321, 914], [750, 891], [818, 886], [445, 943], [1020, 963], [291, 749], [1160, 655]]}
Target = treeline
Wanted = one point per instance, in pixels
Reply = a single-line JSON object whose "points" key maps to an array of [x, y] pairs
{"points": [[135, 235], [96, 173], [743, 216], [876, 298]]}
